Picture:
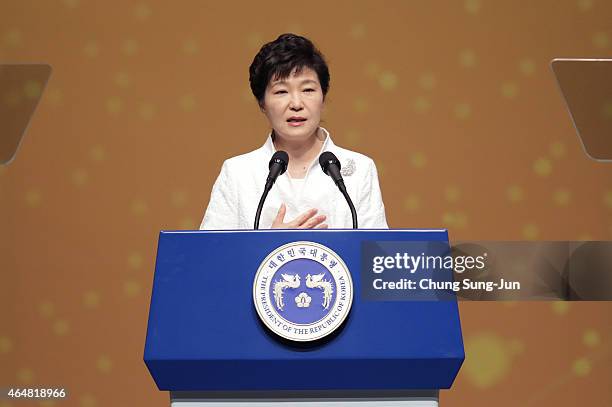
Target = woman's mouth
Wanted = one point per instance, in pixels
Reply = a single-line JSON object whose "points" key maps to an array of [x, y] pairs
{"points": [[296, 121]]}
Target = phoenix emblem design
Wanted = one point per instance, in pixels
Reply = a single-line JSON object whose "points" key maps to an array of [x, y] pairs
{"points": [[288, 281], [317, 281]]}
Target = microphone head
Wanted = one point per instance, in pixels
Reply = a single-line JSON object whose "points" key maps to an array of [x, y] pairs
{"points": [[282, 158], [328, 158]]}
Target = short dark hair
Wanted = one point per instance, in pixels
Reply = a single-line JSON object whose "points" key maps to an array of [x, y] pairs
{"points": [[277, 59]]}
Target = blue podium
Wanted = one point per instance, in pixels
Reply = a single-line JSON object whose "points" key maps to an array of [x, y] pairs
{"points": [[207, 345]]}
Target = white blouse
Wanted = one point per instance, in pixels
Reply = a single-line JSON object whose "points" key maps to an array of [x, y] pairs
{"points": [[236, 193]]}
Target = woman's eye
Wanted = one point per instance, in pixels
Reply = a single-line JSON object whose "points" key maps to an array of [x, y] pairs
{"points": [[280, 91], [309, 90]]}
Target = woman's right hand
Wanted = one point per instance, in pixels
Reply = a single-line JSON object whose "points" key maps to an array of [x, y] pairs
{"points": [[307, 220]]}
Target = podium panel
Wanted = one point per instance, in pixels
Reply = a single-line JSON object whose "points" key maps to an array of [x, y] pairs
{"points": [[204, 333]]}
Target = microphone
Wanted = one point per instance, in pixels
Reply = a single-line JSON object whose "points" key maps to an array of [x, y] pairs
{"points": [[277, 166], [331, 166]]}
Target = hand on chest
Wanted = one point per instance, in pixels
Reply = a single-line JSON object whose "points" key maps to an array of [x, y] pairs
{"points": [[317, 191]]}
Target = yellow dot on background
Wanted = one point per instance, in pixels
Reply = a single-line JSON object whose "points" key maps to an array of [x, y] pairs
{"points": [[462, 111], [560, 307], [358, 31], [472, 6], [190, 47], [6, 345], [122, 79], [91, 50], [607, 199], [91, 299], [530, 231], [32, 89], [25, 375], [558, 149], [542, 167], [412, 203], [139, 207], [606, 110], [54, 97], [87, 400], [188, 103], [387, 80], [147, 110], [452, 193], [79, 177], [467, 58], [142, 11], [582, 367], [135, 260], [454, 219], [591, 338], [562, 197], [114, 105], [585, 5], [179, 198], [33, 198], [427, 81], [372, 69], [254, 40], [421, 104], [509, 90], [527, 67], [188, 224], [129, 47], [132, 288], [12, 38], [46, 309], [104, 364], [352, 137], [418, 159], [360, 105], [488, 360], [601, 40], [61, 327], [514, 193], [97, 153]]}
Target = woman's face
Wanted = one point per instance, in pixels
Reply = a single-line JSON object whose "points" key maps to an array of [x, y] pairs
{"points": [[293, 105]]}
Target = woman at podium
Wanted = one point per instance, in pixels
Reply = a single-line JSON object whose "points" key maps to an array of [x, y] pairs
{"points": [[290, 80]]}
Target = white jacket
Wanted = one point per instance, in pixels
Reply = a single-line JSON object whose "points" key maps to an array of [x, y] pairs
{"points": [[236, 193]]}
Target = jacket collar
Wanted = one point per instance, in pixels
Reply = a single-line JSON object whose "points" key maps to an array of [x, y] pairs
{"points": [[328, 144]]}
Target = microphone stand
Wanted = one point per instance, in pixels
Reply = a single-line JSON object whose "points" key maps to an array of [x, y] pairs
{"points": [[342, 188]]}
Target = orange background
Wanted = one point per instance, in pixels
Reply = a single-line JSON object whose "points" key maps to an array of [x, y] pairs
{"points": [[454, 100]]}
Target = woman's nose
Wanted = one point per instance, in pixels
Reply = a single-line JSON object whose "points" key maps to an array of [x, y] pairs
{"points": [[296, 102]]}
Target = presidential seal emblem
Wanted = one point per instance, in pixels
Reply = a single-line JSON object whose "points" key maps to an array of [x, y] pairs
{"points": [[303, 291]]}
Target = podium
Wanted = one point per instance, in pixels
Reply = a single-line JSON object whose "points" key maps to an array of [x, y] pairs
{"points": [[207, 345]]}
